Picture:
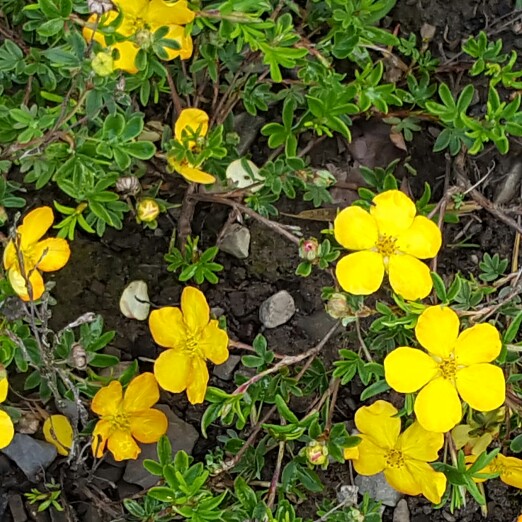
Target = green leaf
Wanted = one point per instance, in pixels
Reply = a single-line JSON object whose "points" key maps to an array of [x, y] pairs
{"points": [[153, 467], [101, 360], [440, 287], [162, 494], [51, 9], [374, 389], [516, 444], [164, 450], [513, 328], [140, 149], [50, 28], [285, 411]]}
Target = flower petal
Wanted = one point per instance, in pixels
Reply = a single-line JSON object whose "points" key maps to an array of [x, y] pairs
{"points": [[355, 229], [6, 430], [133, 8], [409, 277], [193, 174], [402, 479], [190, 120], [394, 212], [360, 273], [479, 344], [172, 370], [108, 399], [4, 386], [148, 426], [196, 312], [167, 327], [35, 225], [371, 459], [179, 34], [419, 444], [100, 435], [511, 470], [10, 255], [58, 431], [482, 386], [437, 330], [432, 484], [88, 32], [378, 423], [423, 239], [438, 407], [51, 254], [19, 286], [198, 380], [162, 13], [351, 453], [214, 343], [141, 393], [126, 60], [407, 370], [123, 446]]}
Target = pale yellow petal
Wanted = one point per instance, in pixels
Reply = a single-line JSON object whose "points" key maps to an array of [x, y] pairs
{"points": [[100, 435], [409, 277], [4, 387], [214, 343], [407, 370], [58, 431], [172, 370], [51, 254], [198, 380], [193, 174], [379, 423], [196, 312], [18, 283], [355, 229], [482, 386], [371, 459], [123, 446], [437, 330], [438, 407], [148, 426], [167, 327], [6, 429], [394, 212], [419, 444], [169, 13], [126, 60], [479, 344], [360, 273], [423, 239], [10, 258], [190, 121], [141, 393], [511, 470], [35, 225], [107, 400]]}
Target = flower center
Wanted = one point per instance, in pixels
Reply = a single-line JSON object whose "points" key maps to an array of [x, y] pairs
{"points": [[120, 421], [386, 245], [394, 459], [448, 368], [192, 346]]}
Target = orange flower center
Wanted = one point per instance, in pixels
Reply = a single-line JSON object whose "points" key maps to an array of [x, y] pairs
{"points": [[394, 459], [448, 368], [386, 245]]}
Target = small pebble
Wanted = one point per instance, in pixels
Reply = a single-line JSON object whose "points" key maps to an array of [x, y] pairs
{"points": [[277, 310]]}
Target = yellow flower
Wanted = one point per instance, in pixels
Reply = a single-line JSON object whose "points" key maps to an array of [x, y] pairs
{"points": [[6, 424], [402, 457], [141, 18], [189, 123], [129, 416], [192, 338], [389, 238], [510, 469], [147, 210], [37, 256], [58, 431], [454, 365]]}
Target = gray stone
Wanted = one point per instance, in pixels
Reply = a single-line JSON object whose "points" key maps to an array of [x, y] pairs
{"points": [[182, 436], [378, 489], [316, 325], [16, 505], [236, 241], [247, 126], [347, 495], [277, 310], [225, 371], [401, 513], [32, 456]]}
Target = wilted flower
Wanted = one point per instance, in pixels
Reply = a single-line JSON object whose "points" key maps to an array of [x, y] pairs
{"points": [[126, 417], [129, 185], [6, 424], [191, 338], [37, 256], [58, 431], [337, 306], [147, 210], [390, 238], [99, 6], [454, 365]]}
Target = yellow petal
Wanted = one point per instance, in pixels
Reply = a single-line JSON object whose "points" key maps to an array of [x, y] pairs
{"points": [[409, 277], [148, 426], [35, 225], [432, 483], [18, 283], [394, 212], [482, 386], [479, 344], [4, 386], [141, 393], [167, 327], [58, 431], [179, 34], [172, 370], [419, 444], [190, 121], [133, 8], [511, 470], [407, 370], [108, 399], [423, 239], [214, 343], [51, 254], [360, 273], [351, 453], [100, 435], [355, 229], [379, 424], [437, 330], [10, 255], [371, 459], [169, 13], [126, 60], [438, 407], [193, 174], [88, 32], [402, 480], [123, 446], [6, 430], [196, 312], [197, 382]]}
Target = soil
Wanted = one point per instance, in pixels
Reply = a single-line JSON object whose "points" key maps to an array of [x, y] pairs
{"points": [[99, 270]]}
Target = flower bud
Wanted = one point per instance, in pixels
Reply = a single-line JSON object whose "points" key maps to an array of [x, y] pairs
{"points": [[317, 453], [147, 210], [144, 39], [103, 64], [78, 357], [128, 185], [337, 306], [308, 249]]}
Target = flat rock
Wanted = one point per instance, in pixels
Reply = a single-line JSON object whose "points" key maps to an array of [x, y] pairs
{"points": [[316, 325], [277, 310], [401, 513], [236, 241], [225, 371], [182, 436], [32, 456], [16, 506], [378, 489]]}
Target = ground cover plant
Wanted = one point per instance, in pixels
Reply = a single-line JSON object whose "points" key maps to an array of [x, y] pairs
{"points": [[260, 260]]}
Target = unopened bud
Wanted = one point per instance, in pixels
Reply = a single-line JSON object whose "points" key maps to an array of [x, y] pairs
{"points": [[128, 185], [337, 306], [309, 249], [78, 357], [317, 453], [148, 210], [144, 39], [103, 64]]}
